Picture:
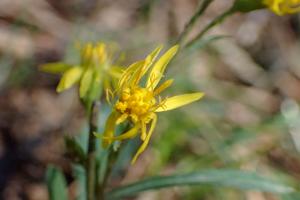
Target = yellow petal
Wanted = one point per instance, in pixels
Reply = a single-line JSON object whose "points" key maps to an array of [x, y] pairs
{"points": [[147, 64], [129, 134], [55, 68], [122, 118], [135, 71], [109, 129], [109, 95], [146, 141], [144, 130], [159, 67], [163, 86], [115, 71], [85, 82], [123, 82], [178, 101], [69, 78]]}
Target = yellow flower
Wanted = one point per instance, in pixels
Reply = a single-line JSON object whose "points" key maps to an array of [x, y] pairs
{"points": [[95, 68], [282, 7], [139, 103]]}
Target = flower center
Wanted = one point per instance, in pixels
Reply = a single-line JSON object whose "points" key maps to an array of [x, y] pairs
{"points": [[136, 103]]}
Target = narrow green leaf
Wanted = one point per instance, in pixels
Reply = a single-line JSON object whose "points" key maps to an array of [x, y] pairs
{"points": [[57, 185], [55, 68], [219, 178], [74, 150], [80, 176]]}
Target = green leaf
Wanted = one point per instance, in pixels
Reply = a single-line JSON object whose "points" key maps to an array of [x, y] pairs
{"points": [[57, 185], [55, 68], [80, 176], [74, 150], [219, 178]]}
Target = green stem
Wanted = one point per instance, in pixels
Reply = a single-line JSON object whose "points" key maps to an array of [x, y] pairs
{"points": [[214, 22], [200, 10], [113, 155], [91, 160]]}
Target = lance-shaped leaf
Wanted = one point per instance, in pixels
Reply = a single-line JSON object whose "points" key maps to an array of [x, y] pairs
{"points": [[57, 185], [218, 178]]}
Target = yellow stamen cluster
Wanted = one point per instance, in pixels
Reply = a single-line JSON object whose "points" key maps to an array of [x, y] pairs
{"points": [[136, 103], [282, 7]]}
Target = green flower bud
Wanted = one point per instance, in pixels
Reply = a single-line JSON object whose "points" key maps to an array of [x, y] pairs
{"points": [[247, 5]]}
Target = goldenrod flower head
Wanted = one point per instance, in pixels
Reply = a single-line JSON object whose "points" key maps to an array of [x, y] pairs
{"points": [[95, 67], [139, 103], [282, 7]]}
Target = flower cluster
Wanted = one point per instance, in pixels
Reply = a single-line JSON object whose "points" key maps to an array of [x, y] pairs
{"points": [[95, 69], [138, 103], [279, 7], [282, 7]]}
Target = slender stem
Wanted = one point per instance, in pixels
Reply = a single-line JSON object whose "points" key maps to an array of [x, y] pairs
{"points": [[102, 185], [214, 22], [200, 10], [113, 155], [91, 160]]}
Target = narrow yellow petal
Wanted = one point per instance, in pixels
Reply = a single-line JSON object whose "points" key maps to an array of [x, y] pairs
{"points": [[152, 56], [85, 82], [109, 95], [159, 67], [69, 78], [109, 129], [135, 71], [122, 118], [163, 86], [146, 141], [126, 75], [129, 134], [115, 71], [147, 64], [144, 130], [178, 101]]}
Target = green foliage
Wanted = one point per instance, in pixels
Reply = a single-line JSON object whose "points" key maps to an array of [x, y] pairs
{"points": [[80, 176], [218, 178], [57, 185], [74, 150]]}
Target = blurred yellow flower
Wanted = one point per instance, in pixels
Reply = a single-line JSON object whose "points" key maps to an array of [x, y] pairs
{"points": [[282, 7], [95, 68], [139, 104]]}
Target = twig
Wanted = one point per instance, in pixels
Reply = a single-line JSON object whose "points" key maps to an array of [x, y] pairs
{"points": [[200, 10], [214, 22], [91, 160]]}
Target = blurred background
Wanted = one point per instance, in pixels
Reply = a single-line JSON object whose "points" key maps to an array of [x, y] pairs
{"points": [[249, 118]]}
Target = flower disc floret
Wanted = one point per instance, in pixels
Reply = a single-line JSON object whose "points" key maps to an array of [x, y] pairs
{"points": [[136, 103]]}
